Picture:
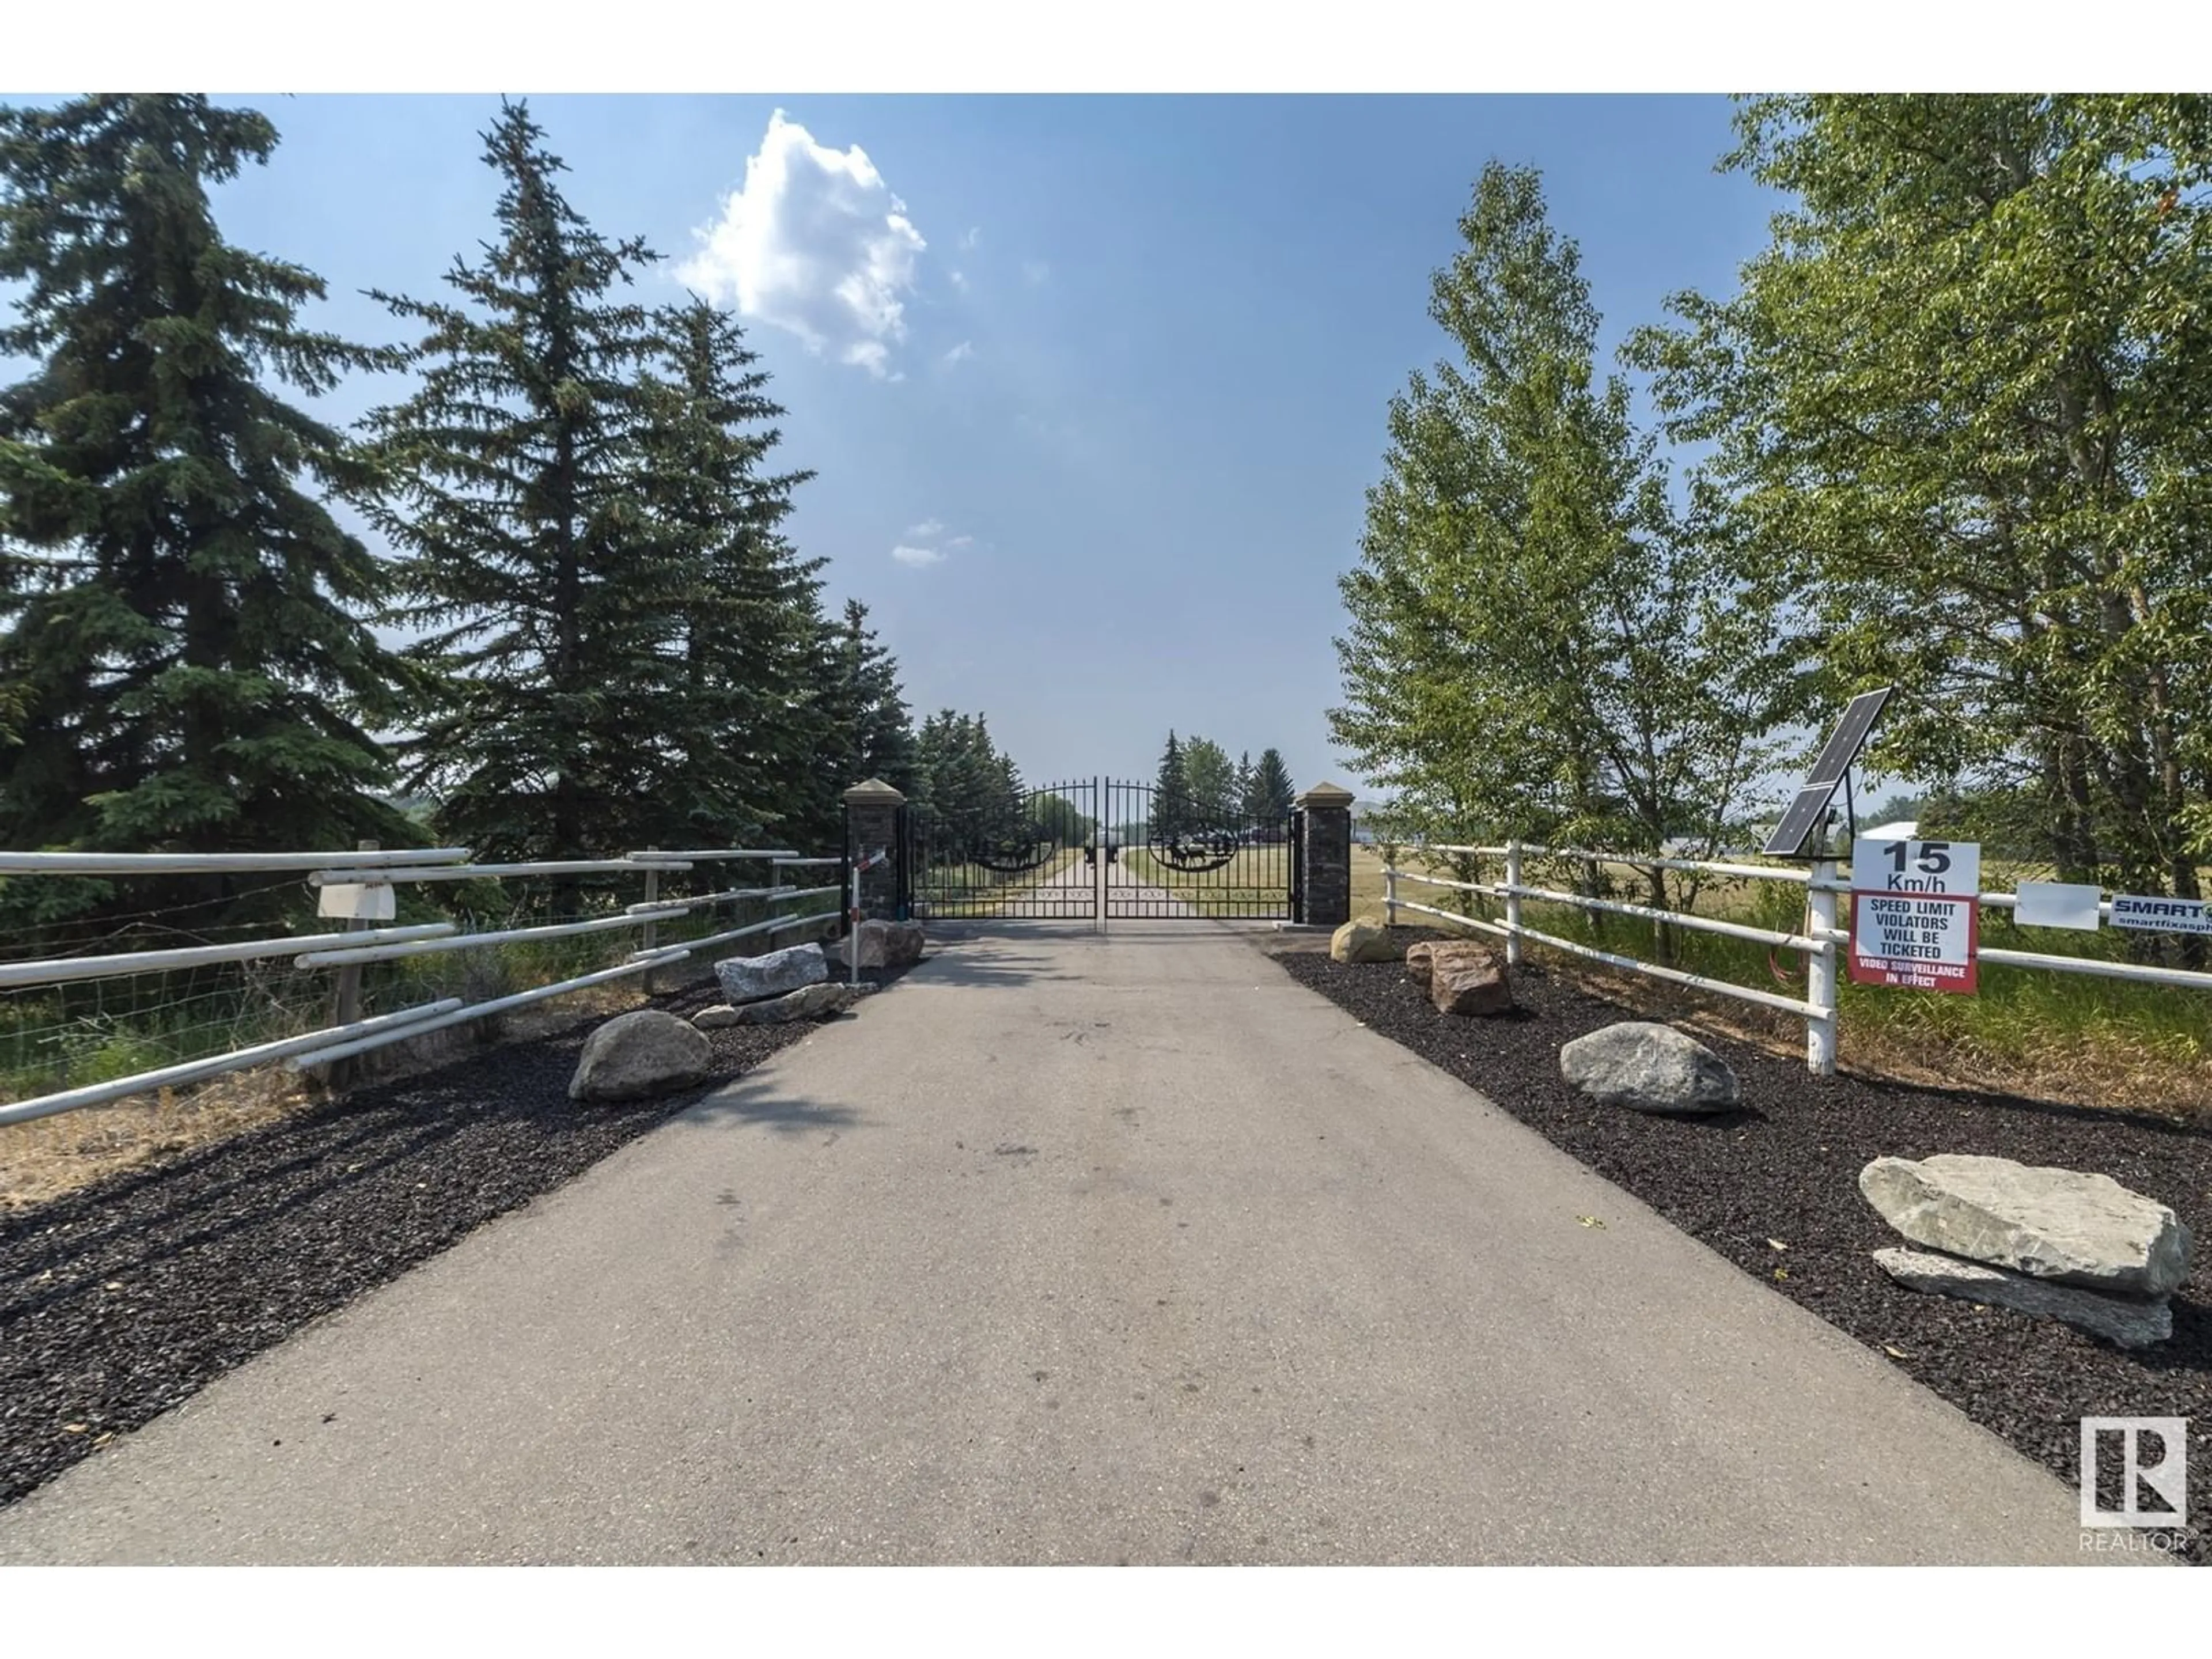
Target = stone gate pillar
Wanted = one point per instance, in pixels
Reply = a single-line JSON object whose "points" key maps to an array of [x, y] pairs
{"points": [[1325, 856], [871, 826]]}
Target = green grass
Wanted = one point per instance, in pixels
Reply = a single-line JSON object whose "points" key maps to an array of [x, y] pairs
{"points": [[968, 891], [95, 1031], [2104, 1041], [1254, 881]]}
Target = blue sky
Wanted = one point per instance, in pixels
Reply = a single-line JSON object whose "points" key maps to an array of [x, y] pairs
{"points": [[1120, 364]]}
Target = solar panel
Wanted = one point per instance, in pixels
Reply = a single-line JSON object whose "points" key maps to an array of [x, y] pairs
{"points": [[1800, 823], [1842, 746]]}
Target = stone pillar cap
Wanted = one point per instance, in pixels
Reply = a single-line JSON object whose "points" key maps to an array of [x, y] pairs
{"points": [[874, 792], [1326, 794]]}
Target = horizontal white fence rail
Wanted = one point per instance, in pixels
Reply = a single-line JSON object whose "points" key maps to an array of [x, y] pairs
{"points": [[193, 863], [404, 1021], [1820, 938], [57, 970], [349, 951], [302, 1062], [478, 872]]}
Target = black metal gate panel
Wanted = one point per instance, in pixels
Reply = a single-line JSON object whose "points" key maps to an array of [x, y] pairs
{"points": [[1168, 855], [1028, 853]]}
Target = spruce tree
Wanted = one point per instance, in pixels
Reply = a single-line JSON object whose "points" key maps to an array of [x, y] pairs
{"points": [[514, 494], [1271, 794], [1171, 804], [863, 729], [185, 661], [742, 610]]}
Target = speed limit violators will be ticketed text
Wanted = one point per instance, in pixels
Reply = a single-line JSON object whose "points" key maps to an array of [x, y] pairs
{"points": [[1916, 923]]}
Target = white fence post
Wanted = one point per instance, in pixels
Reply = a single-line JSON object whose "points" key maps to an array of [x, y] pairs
{"points": [[1389, 893], [649, 936], [345, 1001], [1513, 903], [1820, 971]]}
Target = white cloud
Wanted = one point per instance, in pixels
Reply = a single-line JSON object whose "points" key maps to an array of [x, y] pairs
{"points": [[919, 557], [814, 243], [960, 280], [1035, 269], [928, 531], [961, 353], [958, 541], [969, 238]]}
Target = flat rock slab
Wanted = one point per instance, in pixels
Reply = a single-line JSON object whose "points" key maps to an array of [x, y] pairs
{"points": [[752, 979], [639, 1054], [2063, 1226], [2132, 1324], [1649, 1067], [811, 1002]]}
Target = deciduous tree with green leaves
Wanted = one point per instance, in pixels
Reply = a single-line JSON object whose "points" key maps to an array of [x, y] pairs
{"points": [[1211, 779], [1542, 640], [1963, 406]]}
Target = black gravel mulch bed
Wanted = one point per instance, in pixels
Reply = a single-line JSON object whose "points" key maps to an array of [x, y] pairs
{"points": [[1786, 1168], [125, 1297]]}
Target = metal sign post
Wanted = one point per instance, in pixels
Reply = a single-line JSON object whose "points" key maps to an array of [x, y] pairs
{"points": [[866, 861]]}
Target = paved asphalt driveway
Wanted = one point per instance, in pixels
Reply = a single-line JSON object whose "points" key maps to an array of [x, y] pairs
{"points": [[1069, 1248]]}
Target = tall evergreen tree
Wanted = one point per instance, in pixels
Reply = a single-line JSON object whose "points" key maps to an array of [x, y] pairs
{"points": [[1172, 813], [864, 730], [513, 489], [185, 658], [1271, 794], [743, 618]]}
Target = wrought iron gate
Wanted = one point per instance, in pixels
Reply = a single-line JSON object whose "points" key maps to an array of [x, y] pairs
{"points": [[1026, 853], [1098, 849], [1170, 855]]}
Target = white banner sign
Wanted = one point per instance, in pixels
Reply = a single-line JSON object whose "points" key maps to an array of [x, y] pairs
{"points": [[2161, 915]]}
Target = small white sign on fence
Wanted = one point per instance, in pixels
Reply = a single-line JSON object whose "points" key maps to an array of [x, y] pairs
{"points": [[2161, 915], [2058, 904], [357, 901]]}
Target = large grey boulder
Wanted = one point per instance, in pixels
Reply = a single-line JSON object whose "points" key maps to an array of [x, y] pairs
{"points": [[1650, 1067], [2060, 1225], [749, 979], [2129, 1323], [638, 1054], [812, 1002], [881, 945], [1362, 939], [1467, 978]]}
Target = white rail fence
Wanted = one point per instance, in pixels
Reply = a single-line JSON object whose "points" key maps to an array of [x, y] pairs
{"points": [[1820, 936], [346, 953]]}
